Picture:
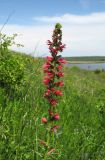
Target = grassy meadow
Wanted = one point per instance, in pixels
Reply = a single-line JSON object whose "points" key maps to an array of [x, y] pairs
{"points": [[82, 110]]}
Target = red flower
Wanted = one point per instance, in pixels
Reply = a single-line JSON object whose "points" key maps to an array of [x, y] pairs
{"points": [[47, 93], [51, 75], [63, 46], [60, 74], [46, 80], [49, 59], [53, 90], [51, 113], [58, 93], [59, 67], [59, 84], [62, 60], [54, 128], [46, 66], [44, 120], [53, 102], [56, 116], [49, 42], [53, 50]]}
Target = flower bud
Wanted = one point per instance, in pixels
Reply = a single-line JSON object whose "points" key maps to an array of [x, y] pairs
{"points": [[54, 128], [44, 120], [56, 116]]}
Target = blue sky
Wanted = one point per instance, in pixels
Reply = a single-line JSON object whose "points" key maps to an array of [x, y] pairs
{"points": [[83, 22], [24, 10]]}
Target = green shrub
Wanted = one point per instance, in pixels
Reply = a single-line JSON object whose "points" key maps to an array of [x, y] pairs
{"points": [[11, 66], [97, 71], [11, 71]]}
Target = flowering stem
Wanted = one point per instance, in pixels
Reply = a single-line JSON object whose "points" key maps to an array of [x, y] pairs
{"points": [[36, 140], [53, 70], [53, 137]]}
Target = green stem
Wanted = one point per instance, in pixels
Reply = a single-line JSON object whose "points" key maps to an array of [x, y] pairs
{"points": [[36, 140], [53, 139]]}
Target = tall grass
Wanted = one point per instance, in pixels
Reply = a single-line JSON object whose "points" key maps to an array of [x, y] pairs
{"points": [[82, 109]]}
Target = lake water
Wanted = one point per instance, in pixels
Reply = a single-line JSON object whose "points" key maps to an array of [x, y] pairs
{"points": [[89, 66]]}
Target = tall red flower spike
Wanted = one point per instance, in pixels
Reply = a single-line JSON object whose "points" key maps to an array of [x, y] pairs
{"points": [[53, 70]]}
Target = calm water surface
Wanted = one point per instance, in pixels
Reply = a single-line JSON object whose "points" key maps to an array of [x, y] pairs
{"points": [[89, 66]]}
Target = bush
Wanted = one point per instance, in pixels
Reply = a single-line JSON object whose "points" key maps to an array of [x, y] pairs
{"points": [[11, 71], [97, 71], [11, 66]]}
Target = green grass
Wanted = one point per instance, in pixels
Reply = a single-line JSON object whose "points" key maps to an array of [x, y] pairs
{"points": [[82, 109]]}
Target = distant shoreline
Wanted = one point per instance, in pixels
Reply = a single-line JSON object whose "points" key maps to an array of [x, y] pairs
{"points": [[85, 62]]}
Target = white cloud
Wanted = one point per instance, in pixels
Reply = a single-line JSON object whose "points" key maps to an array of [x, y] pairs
{"points": [[33, 38], [75, 19], [83, 35]]}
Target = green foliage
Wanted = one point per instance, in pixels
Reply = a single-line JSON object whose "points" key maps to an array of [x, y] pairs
{"points": [[11, 66], [11, 71], [7, 41], [58, 26]]}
